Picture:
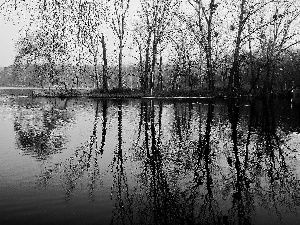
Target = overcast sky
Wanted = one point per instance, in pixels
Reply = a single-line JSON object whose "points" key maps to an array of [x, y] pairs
{"points": [[8, 35]]}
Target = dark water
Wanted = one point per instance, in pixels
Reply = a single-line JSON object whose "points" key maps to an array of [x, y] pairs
{"points": [[84, 161]]}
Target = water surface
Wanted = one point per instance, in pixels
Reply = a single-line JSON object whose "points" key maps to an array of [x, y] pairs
{"points": [[89, 161]]}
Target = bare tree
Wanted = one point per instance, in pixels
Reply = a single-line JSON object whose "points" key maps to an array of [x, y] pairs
{"points": [[234, 74], [138, 40], [248, 13], [105, 68], [203, 28], [117, 18], [90, 32], [182, 60], [156, 17], [277, 37], [46, 45]]}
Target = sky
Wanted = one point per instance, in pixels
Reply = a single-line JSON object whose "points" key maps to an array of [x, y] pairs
{"points": [[9, 33], [11, 23]]}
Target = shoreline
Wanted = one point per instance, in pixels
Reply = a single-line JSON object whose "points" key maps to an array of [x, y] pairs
{"points": [[92, 93], [127, 93]]}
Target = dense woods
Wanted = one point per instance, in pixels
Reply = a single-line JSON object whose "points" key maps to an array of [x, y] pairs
{"points": [[212, 46]]}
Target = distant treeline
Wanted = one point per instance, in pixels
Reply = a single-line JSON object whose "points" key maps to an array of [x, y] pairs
{"points": [[180, 76]]}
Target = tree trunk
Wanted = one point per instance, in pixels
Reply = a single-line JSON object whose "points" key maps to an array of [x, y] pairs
{"points": [[154, 54], [251, 72], [120, 64], [190, 74], [235, 76], [209, 50], [141, 70], [104, 56], [160, 72], [147, 66], [175, 77], [96, 71]]}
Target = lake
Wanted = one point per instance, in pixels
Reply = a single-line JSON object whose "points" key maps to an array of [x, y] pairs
{"points": [[134, 161]]}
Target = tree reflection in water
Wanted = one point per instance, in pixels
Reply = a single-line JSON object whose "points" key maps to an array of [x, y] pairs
{"points": [[260, 175], [123, 213], [195, 164], [85, 160], [255, 175], [38, 129], [271, 157], [159, 203], [209, 208], [242, 200]]}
